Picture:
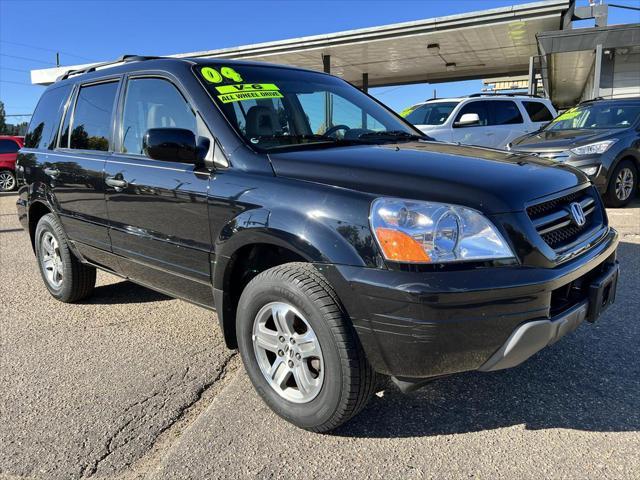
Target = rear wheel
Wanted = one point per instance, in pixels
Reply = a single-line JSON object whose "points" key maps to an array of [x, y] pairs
{"points": [[622, 184], [300, 349], [7, 181], [66, 278]]}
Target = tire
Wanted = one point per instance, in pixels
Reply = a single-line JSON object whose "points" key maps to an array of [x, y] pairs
{"points": [[8, 181], [346, 380], [74, 280], [624, 173]]}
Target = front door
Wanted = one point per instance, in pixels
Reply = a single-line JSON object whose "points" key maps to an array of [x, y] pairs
{"points": [[158, 209], [479, 134]]}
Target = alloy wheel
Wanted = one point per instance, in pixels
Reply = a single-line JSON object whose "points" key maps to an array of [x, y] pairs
{"points": [[624, 184], [7, 181], [288, 352], [51, 260]]}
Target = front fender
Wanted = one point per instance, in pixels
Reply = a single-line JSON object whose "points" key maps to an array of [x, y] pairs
{"points": [[314, 237]]}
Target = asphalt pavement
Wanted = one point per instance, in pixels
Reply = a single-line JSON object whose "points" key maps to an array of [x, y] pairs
{"points": [[131, 384]]}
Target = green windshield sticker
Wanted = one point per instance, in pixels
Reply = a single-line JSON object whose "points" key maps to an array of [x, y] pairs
{"points": [[568, 115], [211, 75], [231, 74], [407, 111], [247, 91], [258, 94], [246, 87]]}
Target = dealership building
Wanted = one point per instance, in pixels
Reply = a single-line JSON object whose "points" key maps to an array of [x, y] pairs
{"points": [[533, 46]]}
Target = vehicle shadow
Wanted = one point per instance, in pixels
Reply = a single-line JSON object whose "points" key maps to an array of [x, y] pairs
{"points": [[589, 380], [123, 292]]}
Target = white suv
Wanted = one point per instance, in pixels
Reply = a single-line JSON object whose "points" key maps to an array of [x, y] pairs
{"points": [[486, 120]]}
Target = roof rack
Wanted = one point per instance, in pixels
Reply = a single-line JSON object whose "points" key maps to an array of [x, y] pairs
{"points": [[94, 67], [494, 94]]}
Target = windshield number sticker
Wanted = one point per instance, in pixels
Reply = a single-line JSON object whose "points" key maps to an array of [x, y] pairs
{"points": [[212, 75], [247, 91]]}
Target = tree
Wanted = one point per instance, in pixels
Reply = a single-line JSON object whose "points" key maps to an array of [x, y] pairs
{"points": [[3, 124]]}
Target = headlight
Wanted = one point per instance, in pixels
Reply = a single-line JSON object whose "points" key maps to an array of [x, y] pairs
{"points": [[593, 148], [591, 171], [427, 232]]}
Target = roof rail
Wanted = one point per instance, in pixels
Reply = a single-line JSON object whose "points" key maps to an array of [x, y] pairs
{"points": [[494, 94], [92, 68]]}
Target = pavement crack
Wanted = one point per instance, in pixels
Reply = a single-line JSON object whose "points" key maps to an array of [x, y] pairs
{"points": [[158, 413]]}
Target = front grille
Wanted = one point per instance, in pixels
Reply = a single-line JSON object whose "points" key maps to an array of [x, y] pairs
{"points": [[553, 221]]}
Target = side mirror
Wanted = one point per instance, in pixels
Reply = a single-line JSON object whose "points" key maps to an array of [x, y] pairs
{"points": [[468, 119], [171, 144]]}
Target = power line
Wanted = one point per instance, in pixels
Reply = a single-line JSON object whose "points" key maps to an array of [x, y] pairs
{"points": [[46, 49], [15, 69], [17, 83], [26, 58]]}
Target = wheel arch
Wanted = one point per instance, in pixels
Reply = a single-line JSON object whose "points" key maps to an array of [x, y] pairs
{"points": [[260, 239]]}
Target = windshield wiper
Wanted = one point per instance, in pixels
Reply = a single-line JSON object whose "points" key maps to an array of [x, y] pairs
{"points": [[392, 135], [302, 140]]}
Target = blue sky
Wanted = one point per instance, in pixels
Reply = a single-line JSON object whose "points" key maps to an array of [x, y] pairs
{"points": [[82, 31]]}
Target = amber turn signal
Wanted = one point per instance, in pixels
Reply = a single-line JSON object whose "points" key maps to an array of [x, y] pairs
{"points": [[400, 247]]}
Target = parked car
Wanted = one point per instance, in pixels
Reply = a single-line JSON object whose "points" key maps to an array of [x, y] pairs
{"points": [[335, 244], [486, 120], [9, 146], [601, 138]]}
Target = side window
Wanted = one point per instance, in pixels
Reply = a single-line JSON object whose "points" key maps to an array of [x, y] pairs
{"points": [[480, 108], [538, 111], [8, 146], [505, 112], [417, 116], [153, 103], [46, 118], [91, 123]]}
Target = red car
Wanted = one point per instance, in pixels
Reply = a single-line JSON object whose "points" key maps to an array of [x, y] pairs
{"points": [[9, 147]]}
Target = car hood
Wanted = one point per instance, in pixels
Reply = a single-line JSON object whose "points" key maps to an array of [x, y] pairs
{"points": [[488, 180], [557, 140]]}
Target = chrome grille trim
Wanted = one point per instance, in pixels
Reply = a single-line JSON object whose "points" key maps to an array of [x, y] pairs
{"points": [[554, 223]]}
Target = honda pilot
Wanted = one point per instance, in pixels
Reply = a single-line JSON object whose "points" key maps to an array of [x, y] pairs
{"points": [[335, 243]]}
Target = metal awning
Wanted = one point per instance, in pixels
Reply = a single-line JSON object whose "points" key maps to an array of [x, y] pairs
{"points": [[570, 57], [493, 42]]}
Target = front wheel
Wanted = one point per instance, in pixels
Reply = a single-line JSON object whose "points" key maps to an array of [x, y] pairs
{"points": [[7, 181], [66, 278], [622, 185], [300, 349]]}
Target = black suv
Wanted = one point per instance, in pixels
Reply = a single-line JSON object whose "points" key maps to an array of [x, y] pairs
{"points": [[336, 244], [601, 138]]}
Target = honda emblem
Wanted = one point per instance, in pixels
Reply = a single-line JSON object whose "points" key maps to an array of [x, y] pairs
{"points": [[577, 214]]}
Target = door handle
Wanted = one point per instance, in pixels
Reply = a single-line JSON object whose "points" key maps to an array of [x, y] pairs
{"points": [[52, 172], [117, 183]]}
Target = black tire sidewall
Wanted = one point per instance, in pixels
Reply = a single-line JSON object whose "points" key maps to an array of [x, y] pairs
{"points": [[611, 198], [49, 223], [324, 406]]}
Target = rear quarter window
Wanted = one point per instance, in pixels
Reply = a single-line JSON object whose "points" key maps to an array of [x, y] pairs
{"points": [[538, 111], [8, 146], [46, 118]]}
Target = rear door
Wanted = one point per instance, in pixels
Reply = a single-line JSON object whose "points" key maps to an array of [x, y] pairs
{"points": [[506, 123], [479, 134], [76, 166], [158, 209], [539, 114]]}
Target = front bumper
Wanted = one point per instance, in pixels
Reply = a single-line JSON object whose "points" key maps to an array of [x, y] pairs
{"points": [[417, 325]]}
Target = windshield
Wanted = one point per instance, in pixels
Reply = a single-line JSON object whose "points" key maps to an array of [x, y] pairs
{"points": [[430, 113], [596, 116], [274, 108]]}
